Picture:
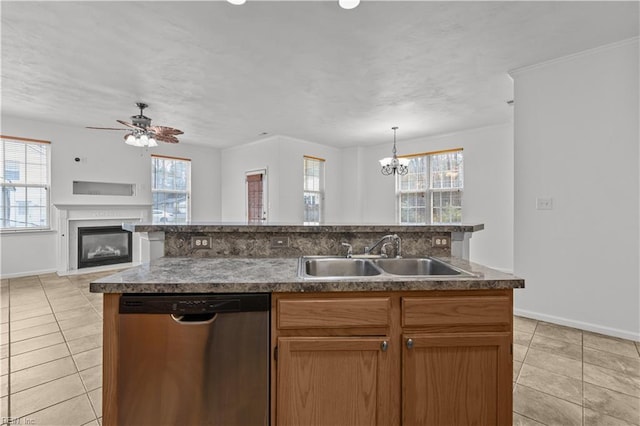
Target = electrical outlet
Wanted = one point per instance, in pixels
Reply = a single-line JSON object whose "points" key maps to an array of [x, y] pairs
{"points": [[279, 242], [440, 241], [201, 242]]}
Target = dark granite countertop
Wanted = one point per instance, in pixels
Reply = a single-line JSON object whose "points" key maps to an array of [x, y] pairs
{"points": [[280, 275], [206, 227]]}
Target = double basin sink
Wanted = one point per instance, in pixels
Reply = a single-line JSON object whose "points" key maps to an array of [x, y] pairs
{"points": [[344, 268]]}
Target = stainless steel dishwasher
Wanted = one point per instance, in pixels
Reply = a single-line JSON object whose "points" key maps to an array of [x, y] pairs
{"points": [[193, 359]]}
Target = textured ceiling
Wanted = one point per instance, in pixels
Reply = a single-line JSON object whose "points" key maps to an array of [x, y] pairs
{"points": [[306, 69]]}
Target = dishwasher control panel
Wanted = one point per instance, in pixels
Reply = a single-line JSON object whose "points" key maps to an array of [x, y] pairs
{"points": [[192, 303]]}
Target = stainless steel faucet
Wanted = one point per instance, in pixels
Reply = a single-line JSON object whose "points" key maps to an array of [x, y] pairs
{"points": [[394, 238], [349, 250]]}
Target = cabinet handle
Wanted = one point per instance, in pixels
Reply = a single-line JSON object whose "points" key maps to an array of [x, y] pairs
{"points": [[409, 343], [384, 346]]}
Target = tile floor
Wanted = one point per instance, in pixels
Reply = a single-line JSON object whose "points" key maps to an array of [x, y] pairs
{"points": [[51, 350]]}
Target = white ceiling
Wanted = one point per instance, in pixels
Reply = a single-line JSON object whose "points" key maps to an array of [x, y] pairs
{"points": [[306, 69]]}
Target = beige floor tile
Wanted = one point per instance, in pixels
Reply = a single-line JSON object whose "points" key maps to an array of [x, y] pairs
{"points": [[74, 411], [75, 314], [4, 351], [89, 316], [517, 366], [4, 365], [593, 418], [92, 377], [612, 379], [96, 401], [85, 330], [39, 356], [519, 420], [627, 365], [42, 373], [4, 315], [88, 359], [559, 332], [4, 385], [519, 352], [30, 311], [92, 423], [551, 383], [32, 322], [75, 302], [34, 343], [521, 337], [28, 333], [545, 408], [558, 347], [554, 363], [40, 397], [4, 407], [85, 343], [611, 403], [610, 344], [527, 325]]}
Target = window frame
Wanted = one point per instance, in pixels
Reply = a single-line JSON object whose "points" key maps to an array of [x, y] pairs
{"points": [[319, 194], [46, 186], [186, 192], [428, 190]]}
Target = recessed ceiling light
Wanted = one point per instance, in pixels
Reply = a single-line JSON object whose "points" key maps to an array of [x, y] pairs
{"points": [[237, 2], [348, 4]]}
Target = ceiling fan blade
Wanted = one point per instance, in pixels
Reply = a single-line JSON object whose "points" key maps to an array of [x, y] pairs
{"points": [[164, 130], [104, 128], [133, 126], [166, 138]]}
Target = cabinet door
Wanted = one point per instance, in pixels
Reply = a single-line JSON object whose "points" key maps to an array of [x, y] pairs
{"points": [[333, 381], [457, 379]]}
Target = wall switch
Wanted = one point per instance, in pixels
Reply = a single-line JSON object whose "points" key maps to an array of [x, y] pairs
{"points": [[544, 203], [440, 241], [279, 242], [201, 242]]}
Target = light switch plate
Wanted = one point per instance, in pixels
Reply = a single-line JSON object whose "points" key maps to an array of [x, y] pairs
{"points": [[544, 203]]}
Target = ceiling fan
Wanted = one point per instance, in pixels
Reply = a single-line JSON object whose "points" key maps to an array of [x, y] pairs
{"points": [[142, 133]]}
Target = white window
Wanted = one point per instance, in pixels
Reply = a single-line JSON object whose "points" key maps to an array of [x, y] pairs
{"points": [[313, 190], [24, 181], [431, 192], [171, 189]]}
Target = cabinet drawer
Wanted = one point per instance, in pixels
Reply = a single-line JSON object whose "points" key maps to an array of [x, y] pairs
{"points": [[423, 311], [334, 313]]}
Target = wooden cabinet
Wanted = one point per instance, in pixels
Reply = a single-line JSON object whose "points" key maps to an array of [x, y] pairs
{"points": [[456, 379], [411, 358], [332, 380]]}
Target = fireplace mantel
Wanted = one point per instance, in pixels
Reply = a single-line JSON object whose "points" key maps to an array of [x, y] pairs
{"points": [[72, 216]]}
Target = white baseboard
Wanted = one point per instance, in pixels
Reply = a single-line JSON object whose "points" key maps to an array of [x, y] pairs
{"points": [[28, 273], [117, 266], [596, 328]]}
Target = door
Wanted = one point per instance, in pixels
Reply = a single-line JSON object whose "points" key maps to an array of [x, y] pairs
{"points": [[333, 381], [457, 379], [256, 196]]}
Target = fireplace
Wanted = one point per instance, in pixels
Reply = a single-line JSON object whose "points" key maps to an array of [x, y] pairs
{"points": [[103, 245]]}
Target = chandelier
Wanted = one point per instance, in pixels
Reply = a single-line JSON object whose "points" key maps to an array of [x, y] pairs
{"points": [[141, 138], [394, 165]]}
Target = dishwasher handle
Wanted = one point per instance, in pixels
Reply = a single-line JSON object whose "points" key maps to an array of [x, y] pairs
{"points": [[194, 319]]}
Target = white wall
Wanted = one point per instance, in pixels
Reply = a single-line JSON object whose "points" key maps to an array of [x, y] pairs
{"points": [[576, 141], [282, 157], [104, 158], [488, 187]]}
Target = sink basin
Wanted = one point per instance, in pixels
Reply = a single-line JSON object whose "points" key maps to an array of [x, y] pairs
{"points": [[311, 267], [421, 266], [339, 267]]}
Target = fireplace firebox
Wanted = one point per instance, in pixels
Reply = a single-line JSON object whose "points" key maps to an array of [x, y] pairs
{"points": [[103, 245]]}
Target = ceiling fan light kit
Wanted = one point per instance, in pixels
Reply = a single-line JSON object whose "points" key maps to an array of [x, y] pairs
{"points": [[348, 4], [142, 133]]}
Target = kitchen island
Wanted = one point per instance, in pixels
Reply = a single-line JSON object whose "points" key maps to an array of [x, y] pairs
{"points": [[379, 349]]}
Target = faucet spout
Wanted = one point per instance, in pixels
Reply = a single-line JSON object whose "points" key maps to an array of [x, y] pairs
{"points": [[384, 240]]}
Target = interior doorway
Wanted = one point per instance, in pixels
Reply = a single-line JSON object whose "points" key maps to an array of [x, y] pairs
{"points": [[256, 190]]}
